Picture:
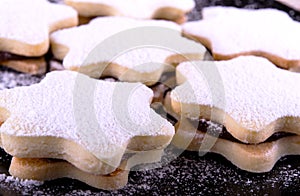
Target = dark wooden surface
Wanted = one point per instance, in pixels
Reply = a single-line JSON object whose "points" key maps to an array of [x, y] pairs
{"points": [[189, 174]]}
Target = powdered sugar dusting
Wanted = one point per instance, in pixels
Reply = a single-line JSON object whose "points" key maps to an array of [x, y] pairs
{"points": [[255, 90], [142, 9], [26, 183], [97, 31], [28, 21], [227, 29], [144, 59], [74, 107]]}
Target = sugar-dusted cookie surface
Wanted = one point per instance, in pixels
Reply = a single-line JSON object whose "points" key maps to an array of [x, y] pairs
{"points": [[146, 9], [50, 169], [25, 25], [87, 122], [230, 32], [128, 49], [254, 103]]}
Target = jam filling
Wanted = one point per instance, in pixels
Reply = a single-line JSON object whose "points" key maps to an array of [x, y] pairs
{"points": [[6, 56]]}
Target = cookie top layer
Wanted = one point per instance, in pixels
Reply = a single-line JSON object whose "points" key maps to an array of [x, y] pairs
{"points": [[231, 31], [28, 23], [142, 9], [99, 30], [100, 116], [255, 91]]}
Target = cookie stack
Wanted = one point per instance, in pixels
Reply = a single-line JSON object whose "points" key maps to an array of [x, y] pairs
{"points": [[252, 138], [91, 137], [244, 90], [25, 28]]}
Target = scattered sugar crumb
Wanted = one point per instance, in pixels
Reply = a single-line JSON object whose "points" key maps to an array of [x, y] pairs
{"points": [[10, 79]]}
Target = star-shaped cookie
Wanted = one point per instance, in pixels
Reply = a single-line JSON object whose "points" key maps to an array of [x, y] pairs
{"points": [[230, 32], [146, 9], [128, 49], [254, 103], [25, 25], [87, 122]]}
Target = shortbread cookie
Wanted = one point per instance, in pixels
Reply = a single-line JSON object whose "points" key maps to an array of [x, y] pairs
{"points": [[89, 123], [191, 135], [75, 52], [295, 4], [136, 55], [25, 25], [174, 10], [230, 32], [32, 66], [50, 169], [254, 104], [253, 158]]}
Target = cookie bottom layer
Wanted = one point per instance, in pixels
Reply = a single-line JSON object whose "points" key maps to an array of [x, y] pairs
{"points": [[255, 158], [50, 169], [31, 66]]}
